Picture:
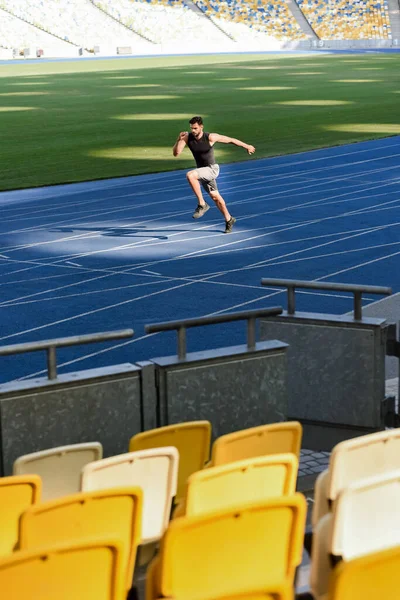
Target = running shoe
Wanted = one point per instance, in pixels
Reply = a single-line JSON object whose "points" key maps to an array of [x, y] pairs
{"points": [[229, 225], [200, 210]]}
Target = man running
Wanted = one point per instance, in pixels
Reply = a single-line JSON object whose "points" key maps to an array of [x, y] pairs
{"points": [[201, 145]]}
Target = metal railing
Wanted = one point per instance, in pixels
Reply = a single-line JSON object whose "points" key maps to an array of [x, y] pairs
{"points": [[357, 290], [51, 346], [180, 326]]}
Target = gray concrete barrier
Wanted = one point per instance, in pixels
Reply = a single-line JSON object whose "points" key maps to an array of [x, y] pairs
{"points": [[336, 366], [234, 388], [95, 405]]}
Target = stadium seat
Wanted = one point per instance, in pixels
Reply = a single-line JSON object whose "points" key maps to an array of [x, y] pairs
{"points": [[89, 570], [353, 460], [17, 493], [278, 438], [60, 468], [192, 440], [114, 513], [278, 591], [344, 20], [231, 552], [371, 577], [246, 481], [365, 519], [154, 470]]}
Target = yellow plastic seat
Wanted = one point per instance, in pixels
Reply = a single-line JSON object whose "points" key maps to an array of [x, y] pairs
{"points": [[90, 570], [114, 514], [278, 438], [371, 577], [278, 591], [60, 468], [229, 553], [242, 482], [17, 493], [155, 471], [365, 519], [192, 440], [352, 461]]}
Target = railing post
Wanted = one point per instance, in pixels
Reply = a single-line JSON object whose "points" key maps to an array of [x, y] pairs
{"points": [[251, 334], [291, 309], [51, 362], [181, 334], [357, 306]]}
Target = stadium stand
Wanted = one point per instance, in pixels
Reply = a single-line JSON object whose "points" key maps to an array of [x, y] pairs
{"points": [[16, 33], [218, 548], [111, 27], [161, 23], [273, 18], [347, 20], [180, 26], [77, 22]]}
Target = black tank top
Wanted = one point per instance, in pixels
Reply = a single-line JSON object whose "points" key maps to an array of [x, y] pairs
{"points": [[202, 150]]}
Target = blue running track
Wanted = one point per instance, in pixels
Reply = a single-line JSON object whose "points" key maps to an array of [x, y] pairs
{"points": [[120, 253]]}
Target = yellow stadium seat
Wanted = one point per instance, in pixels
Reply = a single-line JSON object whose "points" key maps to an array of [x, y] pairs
{"points": [[155, 471], [90, 570], [241, 482], [114, 513], [192, 440], [278, 591], [371, 577], [278, 438], [230, 553], [60, 468], [352, 461], [17, 493]]}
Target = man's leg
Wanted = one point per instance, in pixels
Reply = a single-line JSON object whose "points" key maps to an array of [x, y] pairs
{"points": [[220, 204], [194, 182], [202, 206]]}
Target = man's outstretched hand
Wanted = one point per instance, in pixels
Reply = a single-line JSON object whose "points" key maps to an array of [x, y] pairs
{"points": [[250, 149]]}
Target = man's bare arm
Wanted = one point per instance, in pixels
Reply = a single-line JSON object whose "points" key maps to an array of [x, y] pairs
{"points": [[216, 137], [180, 143]]}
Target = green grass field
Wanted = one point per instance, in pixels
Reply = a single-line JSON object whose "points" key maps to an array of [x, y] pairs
{"points": [[76, 121]]}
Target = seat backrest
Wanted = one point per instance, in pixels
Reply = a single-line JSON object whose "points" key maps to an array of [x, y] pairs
{"points": [[90, 570], [362, 457], [192, 440], [232, 552], [282, 590], [154, 470], [60, 468], [367, 578], [366, 517], [278, 438], [241, 482], [114, 513], [17, 493]]}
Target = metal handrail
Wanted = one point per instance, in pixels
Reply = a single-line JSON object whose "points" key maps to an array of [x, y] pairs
{"points": [[51, 345], [357, 290], [180, 326]]}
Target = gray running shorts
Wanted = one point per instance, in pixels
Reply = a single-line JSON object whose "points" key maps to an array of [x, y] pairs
{"points": [[207, 177]]}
